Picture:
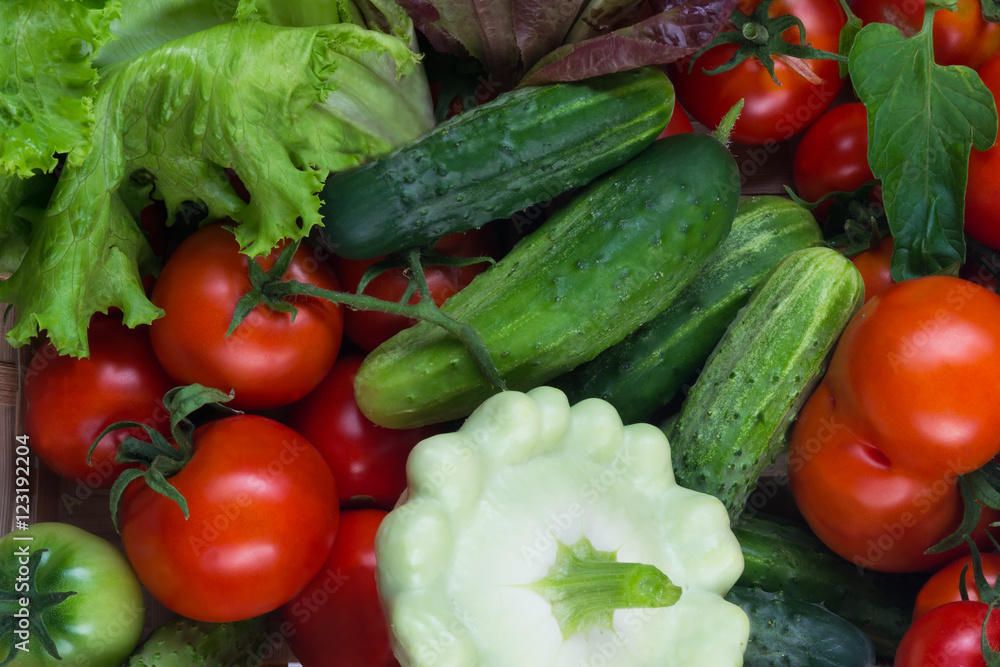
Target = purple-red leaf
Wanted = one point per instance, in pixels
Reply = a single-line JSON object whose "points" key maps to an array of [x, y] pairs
{"points": [[533, 42]]}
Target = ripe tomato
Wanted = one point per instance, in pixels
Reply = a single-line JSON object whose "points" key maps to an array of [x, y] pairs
{"points": [[263, 516], [907, 405], [69, 401], [337, 619], [961, 37], [367, 460], [949, 635], [271, 359], [832, 155], [771, 113], [875, 267], [944, 585], [982, 196], [367, 328], [679, 123]]}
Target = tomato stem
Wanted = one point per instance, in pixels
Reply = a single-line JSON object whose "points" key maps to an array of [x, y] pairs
{"points": [[755, 33], [759, 35], [268, 288], [157, 458]]}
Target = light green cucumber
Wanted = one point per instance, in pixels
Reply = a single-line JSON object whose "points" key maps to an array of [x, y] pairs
{"points": [[647, 369], [734, 421], [610, 259]]}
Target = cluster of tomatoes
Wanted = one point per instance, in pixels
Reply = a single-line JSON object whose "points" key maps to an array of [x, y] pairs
{"points": [[907, 407], [285, 491], [288, 482]]}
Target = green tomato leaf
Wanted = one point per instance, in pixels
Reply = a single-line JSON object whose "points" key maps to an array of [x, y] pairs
{"points": [[991, 10], [923, 121], [48, 81]]}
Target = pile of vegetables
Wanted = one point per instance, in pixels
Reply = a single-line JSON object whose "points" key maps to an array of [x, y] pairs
{"points": [[434, 333]]}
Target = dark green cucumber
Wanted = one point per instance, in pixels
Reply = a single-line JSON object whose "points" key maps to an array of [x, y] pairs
{"points": [[183, 643], [788, 632], [645, 371], [523, 148], [734, 421], [783, 556], [609, 260]]}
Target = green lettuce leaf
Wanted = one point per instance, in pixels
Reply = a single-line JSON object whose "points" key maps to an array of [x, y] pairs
{"points": [[146, 25], [48, 81], [280, 106], [923, 121], [22, 202]]}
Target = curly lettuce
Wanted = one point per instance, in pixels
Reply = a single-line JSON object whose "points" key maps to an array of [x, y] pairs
{"points": [[48, 82], [280, 106]]}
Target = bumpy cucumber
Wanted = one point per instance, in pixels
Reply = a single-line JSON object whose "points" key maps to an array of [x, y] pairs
{"points": [[183, 643], [734, 421], [789, 632], [645, 371], [612, 258], [489, 162], [784, 556]]}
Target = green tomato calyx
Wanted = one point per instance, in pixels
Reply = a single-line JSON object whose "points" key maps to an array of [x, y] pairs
{"points": [[585, 587], [158, 458], [759, 35], [12, 612]]}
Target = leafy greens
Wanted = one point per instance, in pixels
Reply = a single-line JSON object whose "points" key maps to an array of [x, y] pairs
{"points": [[280, 106], [532, 42], [923, 121]]}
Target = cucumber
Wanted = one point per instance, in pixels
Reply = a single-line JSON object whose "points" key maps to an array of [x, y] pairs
{"points": [[610, 259], [735, 419], [523, 148], [647, 369], [781, 555], [183, 643], [785, 631]]}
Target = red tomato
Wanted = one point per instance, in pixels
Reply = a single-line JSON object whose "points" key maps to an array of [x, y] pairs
{"points": [[982, 196], [263, 516], [771, 113], [69, 401], [337, 619], [944, 585], [270, 360], [907, 405], [679, 123], [949, 635], [961, 37], [832, 155], [367, 460], [874, 266], [367, 328]]}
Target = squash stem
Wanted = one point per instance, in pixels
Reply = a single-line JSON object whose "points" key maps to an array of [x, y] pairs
{"points": [[585, 586]]}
